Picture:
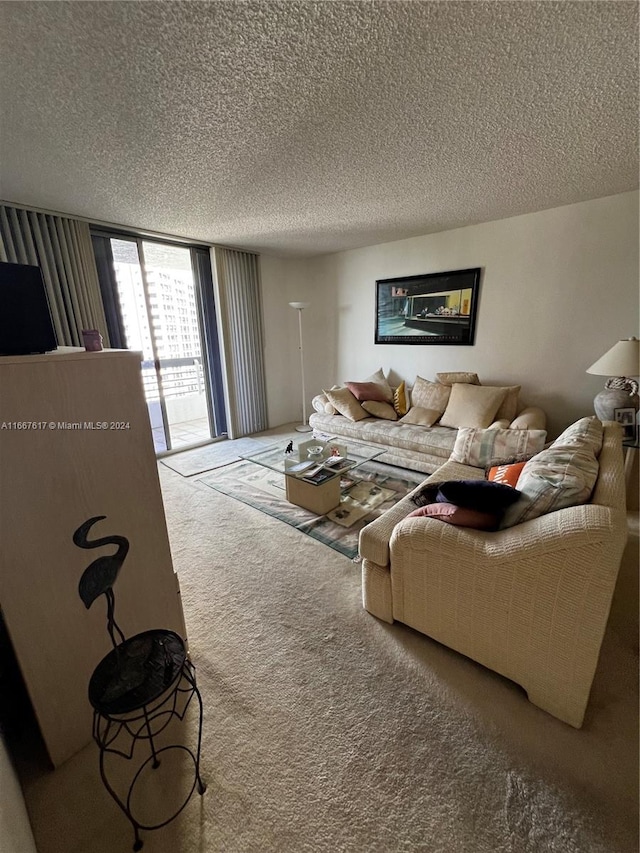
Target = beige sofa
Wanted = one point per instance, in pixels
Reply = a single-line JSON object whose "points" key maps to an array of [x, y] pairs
{"points": [[409, 446], [530, 602]]}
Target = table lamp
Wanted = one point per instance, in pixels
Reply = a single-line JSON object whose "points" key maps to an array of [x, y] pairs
{"points": [[620, 362]]}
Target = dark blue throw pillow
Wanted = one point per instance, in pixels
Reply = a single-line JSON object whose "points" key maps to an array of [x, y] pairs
{"points": [[483, 495]]}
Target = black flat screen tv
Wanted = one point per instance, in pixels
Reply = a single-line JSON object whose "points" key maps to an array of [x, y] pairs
{"points": [[25, 319]]}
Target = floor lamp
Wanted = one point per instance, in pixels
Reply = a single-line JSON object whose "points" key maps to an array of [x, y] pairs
{"points": [[300, 306]]}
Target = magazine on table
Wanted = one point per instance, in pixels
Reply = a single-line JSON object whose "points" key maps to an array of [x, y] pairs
{"points": [[300, 468], [310, 468], [338, 464], [320, 475]]}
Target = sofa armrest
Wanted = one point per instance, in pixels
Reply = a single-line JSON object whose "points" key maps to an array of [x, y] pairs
{"points": [[319, 402], [532, 417], [547, 536], [375, 536], [530, 602]]}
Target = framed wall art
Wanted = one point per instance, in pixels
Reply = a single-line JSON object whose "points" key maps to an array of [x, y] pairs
{"points": [[626, 417], [436, 308]]}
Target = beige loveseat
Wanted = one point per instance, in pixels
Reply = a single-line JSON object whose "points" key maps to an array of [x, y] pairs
{"points": [[421, 448], [530, 602]]}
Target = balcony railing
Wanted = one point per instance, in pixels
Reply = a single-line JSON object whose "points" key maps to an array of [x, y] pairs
{"points": [[180, 377]]}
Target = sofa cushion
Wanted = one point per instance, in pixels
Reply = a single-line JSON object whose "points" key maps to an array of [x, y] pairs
{"points": [[401, 400], [482, 495], [484, 447], [421, 416], [345, 403], [380, 410], [508, 409], [430, 395], [472, 405], [380, 379], [561, 476], [367, 391], [457, 515], [459, 376], [410, 445], [584, 432]]}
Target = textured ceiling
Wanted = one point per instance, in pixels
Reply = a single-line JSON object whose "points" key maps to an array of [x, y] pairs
{"points": [[298, 128]]}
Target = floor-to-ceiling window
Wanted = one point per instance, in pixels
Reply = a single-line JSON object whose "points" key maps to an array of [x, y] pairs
{"points": [[159, 301]]}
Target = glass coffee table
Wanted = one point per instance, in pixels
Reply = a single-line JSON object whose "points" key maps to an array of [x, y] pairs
{"points": [[312, 479]]}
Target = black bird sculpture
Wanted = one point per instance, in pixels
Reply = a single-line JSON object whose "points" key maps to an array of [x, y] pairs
{"points": [[99, 577]]}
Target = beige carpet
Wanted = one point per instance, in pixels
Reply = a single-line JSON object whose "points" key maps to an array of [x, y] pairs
{"points": [[327, 730]]}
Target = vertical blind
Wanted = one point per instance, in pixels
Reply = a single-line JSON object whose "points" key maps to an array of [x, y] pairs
{"points": [[62, 248], [241, 321]]}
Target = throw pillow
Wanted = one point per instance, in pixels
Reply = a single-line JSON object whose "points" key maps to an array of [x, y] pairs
{"points": [[345, 403], [380, 410], [503, 423], [507, 474], [558, 477], [483, 447], [584, 432], [478, 494], [420, 416], [425, 495], [400, 400], [457, 515], [508, 409], [463, 378], [430, 395], [380, 379], [367, 391], [472, 406]]}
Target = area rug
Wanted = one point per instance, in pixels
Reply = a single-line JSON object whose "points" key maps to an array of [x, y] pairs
{"points": [[368, 491], [217, 455]]}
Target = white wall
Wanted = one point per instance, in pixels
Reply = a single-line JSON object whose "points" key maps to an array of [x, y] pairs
{"points": [[558, 289]]}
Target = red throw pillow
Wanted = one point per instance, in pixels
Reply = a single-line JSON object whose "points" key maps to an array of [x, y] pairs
{"points": [[506, 474], [457, 515], [371, 391]]}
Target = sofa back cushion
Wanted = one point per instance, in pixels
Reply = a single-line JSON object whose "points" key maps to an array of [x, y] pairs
{"points": [[430, 395], [561, 476], [584, 432], [509, 407], [463, 377]]}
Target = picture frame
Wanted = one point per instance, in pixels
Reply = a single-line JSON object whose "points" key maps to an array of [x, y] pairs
{"points": [[626, 417], [435, 308]]}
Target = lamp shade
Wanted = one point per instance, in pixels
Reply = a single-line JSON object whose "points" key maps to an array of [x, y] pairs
{"points": [[623, 359], [299, 305]]}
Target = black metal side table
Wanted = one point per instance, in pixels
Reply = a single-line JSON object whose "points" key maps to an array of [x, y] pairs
{"points": [[136, 691]]}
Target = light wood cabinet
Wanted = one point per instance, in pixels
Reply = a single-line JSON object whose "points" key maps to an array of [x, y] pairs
{"points": [[88, 452]]}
